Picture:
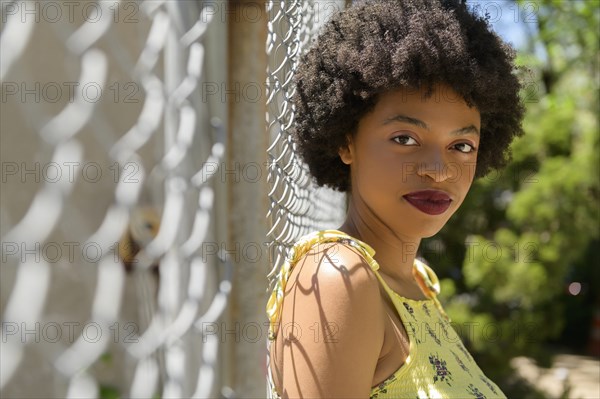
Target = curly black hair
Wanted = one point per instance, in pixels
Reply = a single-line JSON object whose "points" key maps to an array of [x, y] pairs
{"points": [[374, 47]]}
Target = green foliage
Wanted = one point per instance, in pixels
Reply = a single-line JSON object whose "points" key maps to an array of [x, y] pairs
{"points": [[524, 232], [109, 392]]}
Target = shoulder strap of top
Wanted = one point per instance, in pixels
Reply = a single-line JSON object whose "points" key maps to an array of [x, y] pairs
{"points": [[300, 248], [424, 275], [426, 278]]}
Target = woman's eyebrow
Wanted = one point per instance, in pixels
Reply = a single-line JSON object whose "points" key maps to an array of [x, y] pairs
{"points": [[471, 129], [406, 119]]}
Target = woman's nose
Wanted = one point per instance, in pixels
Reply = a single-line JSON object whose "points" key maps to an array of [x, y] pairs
{"points": [[433, 165]]}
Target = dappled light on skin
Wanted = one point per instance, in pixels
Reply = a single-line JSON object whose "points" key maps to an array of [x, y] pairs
{"points": [[437, 364]]}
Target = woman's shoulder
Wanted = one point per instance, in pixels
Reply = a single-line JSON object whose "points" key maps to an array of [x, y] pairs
{"points": [[332, 283], [335, 260], [324, 271], [332, 319]]}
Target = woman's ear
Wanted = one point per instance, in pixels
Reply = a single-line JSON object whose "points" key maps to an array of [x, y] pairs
{"points": [[346, 151]]}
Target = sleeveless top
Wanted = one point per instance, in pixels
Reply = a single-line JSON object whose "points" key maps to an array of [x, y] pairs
{"points": [[438, 365]]}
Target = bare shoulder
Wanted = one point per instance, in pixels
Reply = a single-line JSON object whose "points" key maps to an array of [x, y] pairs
{"points": [[335, 266], [332, 324]]}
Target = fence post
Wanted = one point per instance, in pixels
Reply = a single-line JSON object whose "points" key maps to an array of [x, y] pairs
{"points": [[247, 186]]}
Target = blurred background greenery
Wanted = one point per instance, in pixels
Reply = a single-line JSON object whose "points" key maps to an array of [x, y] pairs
{"points": [[519, 262]]}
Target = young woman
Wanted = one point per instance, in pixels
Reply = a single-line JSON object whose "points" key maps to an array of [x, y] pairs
{"points": [[401, 104]]}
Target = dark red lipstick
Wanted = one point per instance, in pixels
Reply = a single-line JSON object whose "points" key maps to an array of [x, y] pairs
{"points": [[431, 202]]}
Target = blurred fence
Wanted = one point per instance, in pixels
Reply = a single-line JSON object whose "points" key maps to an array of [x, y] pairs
{"points": [[115, 217], [107, 155]]}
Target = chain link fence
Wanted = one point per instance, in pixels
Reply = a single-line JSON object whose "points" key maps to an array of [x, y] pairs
{"points": [[113, 207], [297, 206]]}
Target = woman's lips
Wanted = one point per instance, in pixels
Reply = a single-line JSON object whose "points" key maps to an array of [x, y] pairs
{"points": [[431, 202]]}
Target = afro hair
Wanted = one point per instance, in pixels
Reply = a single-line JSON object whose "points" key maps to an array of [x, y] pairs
{"points": [[375, 47]]}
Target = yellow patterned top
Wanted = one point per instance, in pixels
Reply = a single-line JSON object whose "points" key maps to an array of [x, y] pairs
{"points": [[438, 365]]}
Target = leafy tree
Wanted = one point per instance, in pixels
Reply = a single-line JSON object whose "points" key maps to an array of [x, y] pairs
{"points": [[523, 233]]}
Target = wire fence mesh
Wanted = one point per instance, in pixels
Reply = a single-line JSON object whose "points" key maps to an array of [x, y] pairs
{"points": [[296, 205], [110, 206]]}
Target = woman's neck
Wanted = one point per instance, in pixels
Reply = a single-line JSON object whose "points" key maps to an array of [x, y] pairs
{"points": [[394, 254]]}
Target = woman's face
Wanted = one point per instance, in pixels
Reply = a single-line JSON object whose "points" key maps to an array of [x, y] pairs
{"points": [[413, 159]]}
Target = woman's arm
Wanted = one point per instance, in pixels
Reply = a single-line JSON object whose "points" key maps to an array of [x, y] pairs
{"points": [[332, 325]]}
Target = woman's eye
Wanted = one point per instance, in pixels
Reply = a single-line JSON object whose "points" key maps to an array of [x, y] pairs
{"points": [[464, 147], [405, 140]]}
